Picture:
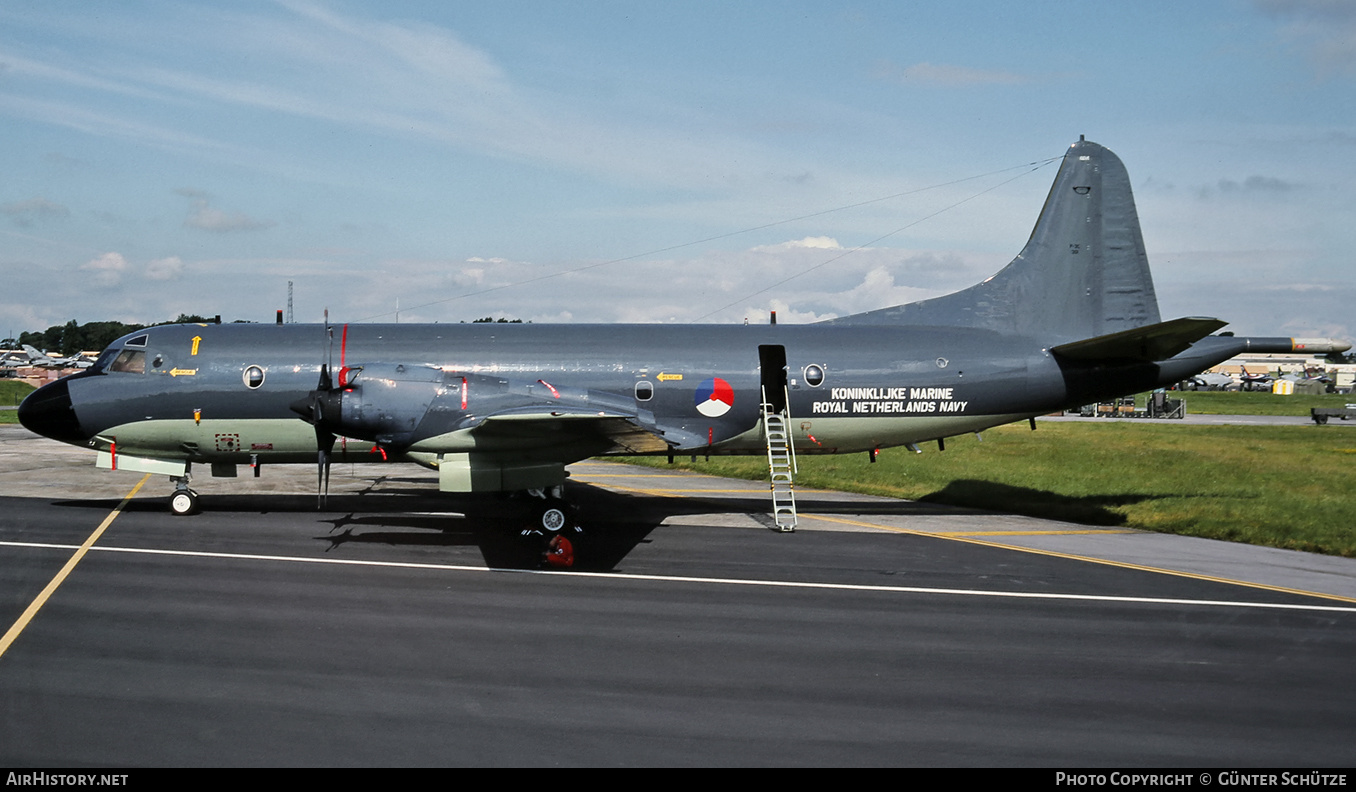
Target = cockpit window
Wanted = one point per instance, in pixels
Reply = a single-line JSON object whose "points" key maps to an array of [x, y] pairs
{"points": [[131, 361], [105, 359], [137, 341]]}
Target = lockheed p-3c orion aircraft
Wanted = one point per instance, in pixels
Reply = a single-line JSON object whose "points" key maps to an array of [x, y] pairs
{"points": [[504, 407]]}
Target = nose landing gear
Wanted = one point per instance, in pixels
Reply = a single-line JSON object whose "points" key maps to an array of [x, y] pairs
{"points": [[184, 501]]}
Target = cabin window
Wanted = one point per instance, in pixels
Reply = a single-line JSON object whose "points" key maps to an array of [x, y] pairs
{"points": [[130, 361], [254, 377], [644, 390], [814, 375]]}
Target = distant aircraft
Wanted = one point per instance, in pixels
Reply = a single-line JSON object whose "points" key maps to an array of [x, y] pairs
{"points": [[492, 407], [1212, 380], [44, 360], [1255, 382], [14, 359]]}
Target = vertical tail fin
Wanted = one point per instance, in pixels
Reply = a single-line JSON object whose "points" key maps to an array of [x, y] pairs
{"points": [[1083, 272]]}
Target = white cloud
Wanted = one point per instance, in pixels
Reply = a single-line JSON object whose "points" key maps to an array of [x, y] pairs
{"points": [[812, 278], [202, 215], [469, 276], [107, 269], [1258, 308], [815, 243], [165, 268]]}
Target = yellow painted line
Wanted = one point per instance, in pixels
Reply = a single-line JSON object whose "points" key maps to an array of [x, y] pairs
{"points": [[756, 491], [672, 492], [644, 476], [1089, 559], [700, 490], [638, 490], [47, 592], [1092, 531], [970, 537]]}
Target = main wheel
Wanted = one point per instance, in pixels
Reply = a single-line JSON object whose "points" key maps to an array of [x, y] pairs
{"points": [[553, 516], [183, 502]]}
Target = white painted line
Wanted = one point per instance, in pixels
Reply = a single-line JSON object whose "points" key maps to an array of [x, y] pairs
{"points": [[705, 580]]}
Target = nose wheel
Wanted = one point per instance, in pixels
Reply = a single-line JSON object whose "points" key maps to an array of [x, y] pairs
{"points": [[184, 501]]}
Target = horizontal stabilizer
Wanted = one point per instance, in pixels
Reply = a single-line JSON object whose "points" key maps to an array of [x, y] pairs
{"points": [[1149, 343]]}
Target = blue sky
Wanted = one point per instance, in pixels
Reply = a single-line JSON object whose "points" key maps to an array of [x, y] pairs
{"points": [[629, 161]]}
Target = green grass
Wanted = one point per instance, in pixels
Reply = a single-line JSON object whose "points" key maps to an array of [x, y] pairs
{"points": [[1280, 486], [1248, 403], [12, 392]]}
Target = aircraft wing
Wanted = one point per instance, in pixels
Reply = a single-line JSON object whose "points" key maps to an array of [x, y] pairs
{"points": [[609, 432], [1150, 343]]}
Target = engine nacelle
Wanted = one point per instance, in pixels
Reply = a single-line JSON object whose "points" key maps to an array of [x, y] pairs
{"points": [[385, 402]]}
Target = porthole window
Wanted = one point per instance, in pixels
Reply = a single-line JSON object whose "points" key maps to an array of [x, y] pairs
{"points": [[158, 362], [644, 390], [254, 377], [814, 375]]}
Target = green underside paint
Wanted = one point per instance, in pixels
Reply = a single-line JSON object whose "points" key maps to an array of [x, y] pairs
{"points": [[162, 446]]}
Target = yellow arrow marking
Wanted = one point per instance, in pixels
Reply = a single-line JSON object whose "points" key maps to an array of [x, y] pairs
{"points": [[662, 377], [196, 339], [182, 372]]}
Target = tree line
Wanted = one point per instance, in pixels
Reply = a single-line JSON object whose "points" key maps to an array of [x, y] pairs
{"points": [[72, 337]]}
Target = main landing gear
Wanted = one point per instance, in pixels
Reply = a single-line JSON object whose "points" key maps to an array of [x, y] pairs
{"points": [[184, 501], [551, 514], [553, 528]]}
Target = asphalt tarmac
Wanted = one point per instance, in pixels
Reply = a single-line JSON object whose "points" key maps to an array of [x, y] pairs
{"points": [[400, 627]]}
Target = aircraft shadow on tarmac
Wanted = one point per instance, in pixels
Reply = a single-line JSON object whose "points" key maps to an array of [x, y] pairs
{"points": [[616, 522], [1084, 509], [422, 518]]}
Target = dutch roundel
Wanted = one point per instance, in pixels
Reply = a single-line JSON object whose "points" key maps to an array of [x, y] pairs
{"points": [[714, 397]]}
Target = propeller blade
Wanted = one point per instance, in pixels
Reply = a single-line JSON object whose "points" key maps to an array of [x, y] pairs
{"points": [[324, 445], [326, 397]]}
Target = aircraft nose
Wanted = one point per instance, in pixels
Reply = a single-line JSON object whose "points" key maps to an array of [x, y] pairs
{"points": [[48, 411]]}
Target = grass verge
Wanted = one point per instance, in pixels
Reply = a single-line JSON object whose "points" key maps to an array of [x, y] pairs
{"points": [[1249, 403], [12, 392], [1279, 486]]}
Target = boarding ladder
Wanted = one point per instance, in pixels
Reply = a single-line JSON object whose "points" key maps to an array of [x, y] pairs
{"points": [[781, 463]]}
